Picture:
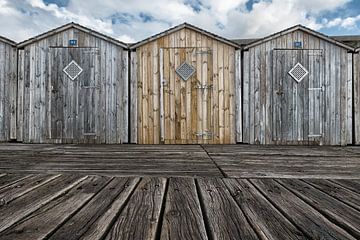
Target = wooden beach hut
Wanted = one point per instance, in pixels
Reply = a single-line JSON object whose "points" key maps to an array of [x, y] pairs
{"points": [[297, 89], [73, 87], [8, 63], [184, 80], [356, 61]]}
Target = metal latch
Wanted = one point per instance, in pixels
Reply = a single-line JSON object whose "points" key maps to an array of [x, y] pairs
{"points": [[204, 52], [206, 134], [203, 86]]}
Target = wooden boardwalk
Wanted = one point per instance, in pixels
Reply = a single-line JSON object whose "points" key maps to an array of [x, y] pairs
{"points": [[46, 206], [234, 161], [178, 192]]}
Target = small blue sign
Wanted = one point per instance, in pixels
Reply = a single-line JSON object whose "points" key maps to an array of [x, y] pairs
{"points": [[73, 42], [298, 44]]}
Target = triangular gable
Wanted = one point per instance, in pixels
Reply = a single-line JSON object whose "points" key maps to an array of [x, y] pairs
{"points": [[179, 27], [76, 26], [295, 28], [8, 41]]}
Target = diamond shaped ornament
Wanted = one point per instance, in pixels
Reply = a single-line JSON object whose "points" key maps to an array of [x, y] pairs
{"points": [[298, 72], [73, 70], [185, 71]]}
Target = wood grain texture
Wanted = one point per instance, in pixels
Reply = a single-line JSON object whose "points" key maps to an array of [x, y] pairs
{"points": [[183, 218], [319, 106], [312, 223], [191, 108], [94, 108], [224, 217], [143, 209]]}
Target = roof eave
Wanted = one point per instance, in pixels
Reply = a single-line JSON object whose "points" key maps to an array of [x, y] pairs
{"points": [[8, 41], [179, 27], [68, 26], [295, 28]]}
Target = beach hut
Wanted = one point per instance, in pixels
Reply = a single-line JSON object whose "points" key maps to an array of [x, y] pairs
{"points": [[356, 61], [73, 87], [8, 63], [297, 89], [184, 80]]}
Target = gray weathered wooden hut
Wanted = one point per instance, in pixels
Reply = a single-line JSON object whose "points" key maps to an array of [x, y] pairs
{"points": [[356, 61], [297, 89], [8, 63], [72, 87]]}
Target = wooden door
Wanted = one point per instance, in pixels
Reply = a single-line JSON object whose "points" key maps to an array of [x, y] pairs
{"points": [[74, 91], [298, 88], [186, 91]]}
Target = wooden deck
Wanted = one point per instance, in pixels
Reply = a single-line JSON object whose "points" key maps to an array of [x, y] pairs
{"points": [[178, 192], [234, 161], [43, 206]]}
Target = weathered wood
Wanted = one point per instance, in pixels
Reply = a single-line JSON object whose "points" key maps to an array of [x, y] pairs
{"points": [[182, 218], [223, 216], [8, 90], [336, 211], [43, 222], [93, 108], [27, 204], [191, 108], [311, 222], [143, 209], [337, 191], [351, 185], [319, 106], [356, 95], [267, 221]]}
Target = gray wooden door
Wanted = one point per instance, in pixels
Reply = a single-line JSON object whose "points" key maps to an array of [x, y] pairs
{"points": [[298, 90], [74, 90]]}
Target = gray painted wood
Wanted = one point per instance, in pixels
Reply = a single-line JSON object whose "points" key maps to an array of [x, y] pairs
{"points": [[8, 85], [297, 112], [52, 108]]}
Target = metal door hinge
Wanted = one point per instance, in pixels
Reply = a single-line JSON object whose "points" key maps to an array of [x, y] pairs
{"points": [[203, 86], [314, 135], [204, 52], [206, 134]]}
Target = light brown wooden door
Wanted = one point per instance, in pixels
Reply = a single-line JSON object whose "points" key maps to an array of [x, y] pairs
{"points": [[298, 92], [73, 93], [186, 91]]}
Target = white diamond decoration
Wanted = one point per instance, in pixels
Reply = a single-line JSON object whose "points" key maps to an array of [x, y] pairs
{"points": [[298, 72], [185, 71], [73, 70]]}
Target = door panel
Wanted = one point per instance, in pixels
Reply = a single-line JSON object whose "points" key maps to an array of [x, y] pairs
{"points": [[186, 103], [297, 103], [73, 93]]}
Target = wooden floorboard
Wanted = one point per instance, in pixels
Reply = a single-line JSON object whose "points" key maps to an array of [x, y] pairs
{"points": [[98, 207]]}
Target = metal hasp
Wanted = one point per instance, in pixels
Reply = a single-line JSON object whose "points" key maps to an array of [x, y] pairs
{"points": [[73, 70], [185, 71], [298, 72]]}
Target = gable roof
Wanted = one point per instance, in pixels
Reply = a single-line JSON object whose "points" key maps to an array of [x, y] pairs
{"points": [[302, 28], [244, 41], [8, 41], [179, 27], [76, 26]]}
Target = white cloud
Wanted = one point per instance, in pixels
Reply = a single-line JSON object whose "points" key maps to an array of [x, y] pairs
{"points": [[137, 19]]}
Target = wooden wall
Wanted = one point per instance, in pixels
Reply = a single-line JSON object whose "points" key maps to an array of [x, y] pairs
{"points": [[356, 58], [258, 86], [8, 63], [149, 94], [110, 105]]}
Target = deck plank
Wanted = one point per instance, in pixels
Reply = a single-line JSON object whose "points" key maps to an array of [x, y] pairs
{"points": [[140, 217], [224, 217], [32, 201], [267, 221], [349, 184], [41, 223], [20, 188], [10, 179], [302, 215], [337, 191], [183, 218], [94, 219], [335, 210]]}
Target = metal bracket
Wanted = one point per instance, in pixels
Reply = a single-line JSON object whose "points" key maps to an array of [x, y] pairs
{"points": [[317, 89], [206, 134], [204, 52], [205, 86], [315, 135]]}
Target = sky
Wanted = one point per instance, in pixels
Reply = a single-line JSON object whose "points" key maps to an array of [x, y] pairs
{"points": [[133, 20]]}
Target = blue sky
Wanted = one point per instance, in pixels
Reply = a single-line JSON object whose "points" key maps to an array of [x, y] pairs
{"points": [[134, 20]]}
